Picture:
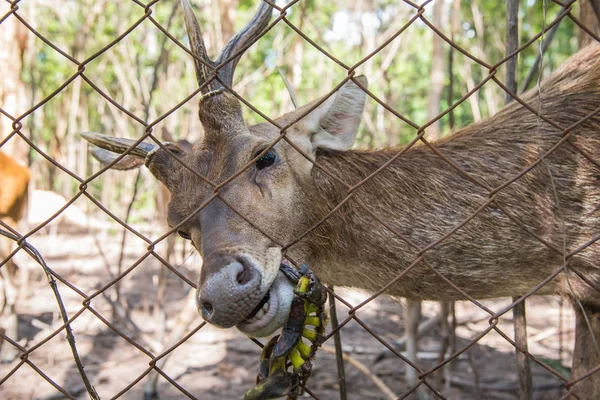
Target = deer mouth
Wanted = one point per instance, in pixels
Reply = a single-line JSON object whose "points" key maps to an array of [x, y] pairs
{"points": [[272, 310], [262, 308]]}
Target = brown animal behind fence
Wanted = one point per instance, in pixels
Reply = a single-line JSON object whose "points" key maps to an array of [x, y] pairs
{"points": [[14, 183], [504, 207]]}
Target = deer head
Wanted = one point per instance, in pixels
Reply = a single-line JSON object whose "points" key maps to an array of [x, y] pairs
{"points": [[240, 195]]}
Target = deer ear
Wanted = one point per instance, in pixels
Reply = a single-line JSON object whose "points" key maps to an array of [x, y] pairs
{"points": [[334, 124]]}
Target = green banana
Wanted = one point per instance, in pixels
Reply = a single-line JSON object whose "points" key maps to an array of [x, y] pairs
{"points": [[273, 380]]}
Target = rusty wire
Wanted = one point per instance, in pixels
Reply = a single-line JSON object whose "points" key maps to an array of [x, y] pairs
{"points": [[420, 258]]}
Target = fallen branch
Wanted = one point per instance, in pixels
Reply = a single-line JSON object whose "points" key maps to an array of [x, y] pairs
{"points": [[365, 370], [504, 386]]}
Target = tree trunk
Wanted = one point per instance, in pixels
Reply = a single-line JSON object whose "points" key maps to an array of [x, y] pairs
{"points": [[13, 42], [438, 66], [227, 9], [589, 15]]}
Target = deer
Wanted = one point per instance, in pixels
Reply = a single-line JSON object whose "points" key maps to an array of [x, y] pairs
{"points": [[14, 184], [504, 207]]}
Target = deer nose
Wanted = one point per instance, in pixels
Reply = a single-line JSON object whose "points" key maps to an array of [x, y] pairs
{"points": [[206, 309], [228, 294]]}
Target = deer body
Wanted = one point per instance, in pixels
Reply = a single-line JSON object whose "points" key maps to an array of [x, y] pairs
{"points": [[423, 198], [14, 182], [490, 229]]}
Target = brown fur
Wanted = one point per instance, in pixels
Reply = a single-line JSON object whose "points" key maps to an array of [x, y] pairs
{"points": [[14, 182], [423, 198]]}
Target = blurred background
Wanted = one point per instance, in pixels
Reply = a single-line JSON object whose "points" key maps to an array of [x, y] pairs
{"points": [[137, 75]]}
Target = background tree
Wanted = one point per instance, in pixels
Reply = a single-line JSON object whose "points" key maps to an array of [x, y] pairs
{"points": [[13, 44]]}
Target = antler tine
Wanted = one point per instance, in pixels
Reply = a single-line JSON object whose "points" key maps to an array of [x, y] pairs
{"points": [[250, 32], [247, 35], [197, 46]]}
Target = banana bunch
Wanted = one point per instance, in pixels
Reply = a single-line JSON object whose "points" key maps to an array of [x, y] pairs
{"points": [[307, 320]]}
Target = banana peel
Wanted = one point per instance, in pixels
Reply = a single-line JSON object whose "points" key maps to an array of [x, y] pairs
{"points": [[285, 362], [273, 380]]}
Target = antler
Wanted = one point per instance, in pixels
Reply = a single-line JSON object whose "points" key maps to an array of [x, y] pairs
{"points": [[234, 48], [119, 145], [106, 149]]}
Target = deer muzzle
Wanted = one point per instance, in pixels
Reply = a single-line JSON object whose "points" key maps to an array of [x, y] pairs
{"points": [[244, 290]]}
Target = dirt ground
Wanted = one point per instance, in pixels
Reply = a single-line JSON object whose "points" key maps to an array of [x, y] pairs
{"points": [[221, 364]]}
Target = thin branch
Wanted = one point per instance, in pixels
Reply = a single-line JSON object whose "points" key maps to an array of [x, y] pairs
{"points": [[337, 340], [162, 58], [35, 255], [538, 58], [288, 87]]}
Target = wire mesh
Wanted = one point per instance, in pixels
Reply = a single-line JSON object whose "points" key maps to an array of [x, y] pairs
{"points": [[90, 297]]}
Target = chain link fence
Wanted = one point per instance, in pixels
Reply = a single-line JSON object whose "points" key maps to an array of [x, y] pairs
{"points": [[166, 360]]}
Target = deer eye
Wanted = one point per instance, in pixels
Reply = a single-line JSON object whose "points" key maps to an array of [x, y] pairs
{"points": [[266, 160], [184, 235]]}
